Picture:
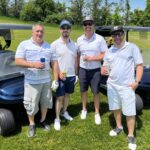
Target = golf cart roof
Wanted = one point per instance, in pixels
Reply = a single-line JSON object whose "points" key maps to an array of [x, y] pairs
{"points": [[5, 32], [105, 30], [4, 26]]}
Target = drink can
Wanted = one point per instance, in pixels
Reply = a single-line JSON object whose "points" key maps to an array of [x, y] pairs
{"points": [[42, 60]]}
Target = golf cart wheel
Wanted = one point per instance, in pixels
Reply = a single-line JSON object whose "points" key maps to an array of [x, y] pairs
{"points": [[139, 103], [7, 122]]}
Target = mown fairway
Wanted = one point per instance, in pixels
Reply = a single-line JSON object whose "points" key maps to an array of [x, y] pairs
{"points": [[78, 134]]}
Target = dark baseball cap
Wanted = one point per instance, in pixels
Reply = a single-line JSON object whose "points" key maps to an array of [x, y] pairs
{"points": [[88, 18], [116, 29], [65, 22]]}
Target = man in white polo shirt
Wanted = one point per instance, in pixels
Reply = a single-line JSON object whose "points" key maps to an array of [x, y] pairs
{"points": [[66, 51], [35, 56], [91, 48], [121, 59]]}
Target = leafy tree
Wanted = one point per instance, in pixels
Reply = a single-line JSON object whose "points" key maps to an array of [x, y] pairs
{"points": [[16, 7], [137, 17], [147, 14], [116, 18], [76, 8], [4, 7], [29, 12], [127, 12]]}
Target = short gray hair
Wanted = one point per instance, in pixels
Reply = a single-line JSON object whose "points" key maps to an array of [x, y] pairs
{"points": [[37, 24]]}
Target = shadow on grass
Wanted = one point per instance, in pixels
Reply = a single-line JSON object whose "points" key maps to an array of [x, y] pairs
{"points": [[75, 109], [139, 123]]}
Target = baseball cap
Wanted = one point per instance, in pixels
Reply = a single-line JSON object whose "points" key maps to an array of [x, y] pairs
{"points": [[88, 18], [116, 29], [65, 22]]}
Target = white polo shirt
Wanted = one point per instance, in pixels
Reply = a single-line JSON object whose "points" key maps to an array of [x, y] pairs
{"points": [[122, 63], [91, 47], [32, 52], [66, 55]]}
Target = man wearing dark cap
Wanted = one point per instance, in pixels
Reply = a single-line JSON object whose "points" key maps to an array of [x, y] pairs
{"points": [[66, 51], [122, 58], [91, 49]]}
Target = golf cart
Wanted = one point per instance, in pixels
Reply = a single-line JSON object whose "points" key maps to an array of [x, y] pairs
{"points": [[11, 80], [136, 33]]}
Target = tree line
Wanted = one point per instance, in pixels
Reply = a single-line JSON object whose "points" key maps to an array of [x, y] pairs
{"points": [[104, 12]]}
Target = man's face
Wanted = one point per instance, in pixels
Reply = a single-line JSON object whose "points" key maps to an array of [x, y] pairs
{"points": [[118, 37], [38, 33], [65, 31], [88, 26]]}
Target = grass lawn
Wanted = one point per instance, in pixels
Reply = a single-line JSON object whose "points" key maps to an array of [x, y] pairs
{"points": [[77, 134]]}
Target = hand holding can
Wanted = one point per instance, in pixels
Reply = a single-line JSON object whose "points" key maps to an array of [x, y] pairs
{"points": [[106, 64], [42, 60], [64, 74]]}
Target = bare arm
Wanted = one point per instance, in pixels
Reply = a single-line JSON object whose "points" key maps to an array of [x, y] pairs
{"points": [[27, 64], [55, 69], [139, 73], [95, 58]]}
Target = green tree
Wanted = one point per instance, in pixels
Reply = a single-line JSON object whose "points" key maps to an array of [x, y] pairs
{"points": [[116, 18], [147, 14], [127, 12], [16, 7], [76, 9], [137, 17], [4, 7]]}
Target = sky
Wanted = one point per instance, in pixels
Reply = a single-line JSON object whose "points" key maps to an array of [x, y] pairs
{"points": [[137, 4], [134, 4]]}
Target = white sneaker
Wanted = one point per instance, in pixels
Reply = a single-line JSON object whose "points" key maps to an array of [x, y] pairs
{"points": [[83, 114], [97, 119], [57, 124], [116, 131], [131, 145], [67, 116]]}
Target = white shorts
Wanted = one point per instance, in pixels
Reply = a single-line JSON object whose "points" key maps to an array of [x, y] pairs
{"points": [[121, 97], [35, 95]]}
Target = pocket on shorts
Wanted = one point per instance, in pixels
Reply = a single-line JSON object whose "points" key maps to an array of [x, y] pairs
{"points": [[27, 103]]}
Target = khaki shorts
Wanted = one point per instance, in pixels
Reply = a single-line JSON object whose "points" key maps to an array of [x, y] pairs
{"points": [[122, 97], [35, 95]]}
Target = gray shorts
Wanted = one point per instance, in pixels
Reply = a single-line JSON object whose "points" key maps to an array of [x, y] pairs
{"points": [[35, 95], [121, 97]]}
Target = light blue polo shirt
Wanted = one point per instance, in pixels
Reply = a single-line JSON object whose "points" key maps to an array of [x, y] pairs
{"points": [[122, 63], [32, 52], [91, 47]]}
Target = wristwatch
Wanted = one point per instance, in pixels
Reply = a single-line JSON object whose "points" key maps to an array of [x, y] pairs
{"points": [[138, 82]]}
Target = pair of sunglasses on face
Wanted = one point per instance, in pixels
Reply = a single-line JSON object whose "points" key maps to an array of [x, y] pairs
{"points": [[119, 34], [88, 23], [65, 27]]}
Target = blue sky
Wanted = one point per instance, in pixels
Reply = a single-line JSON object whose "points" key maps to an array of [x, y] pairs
{"points": [[134, 4], [137, 4]]}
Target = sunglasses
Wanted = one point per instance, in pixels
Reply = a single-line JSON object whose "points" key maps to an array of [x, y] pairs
{"points": [[65, 28], [88, 24], [119, 34]]}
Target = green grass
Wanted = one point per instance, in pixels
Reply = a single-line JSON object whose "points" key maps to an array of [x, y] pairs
{"points": [[78, 134]]}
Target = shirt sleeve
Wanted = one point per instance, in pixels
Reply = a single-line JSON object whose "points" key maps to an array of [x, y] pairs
{"points": [[54, 55], [138, 59], [20, 52], [103, 45]]}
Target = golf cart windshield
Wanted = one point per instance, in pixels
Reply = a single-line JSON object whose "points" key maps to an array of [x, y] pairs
{"points": [[7, 60]]}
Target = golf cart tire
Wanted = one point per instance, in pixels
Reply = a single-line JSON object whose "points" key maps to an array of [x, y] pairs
{"points": [[7, 122], [139, 103]]}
